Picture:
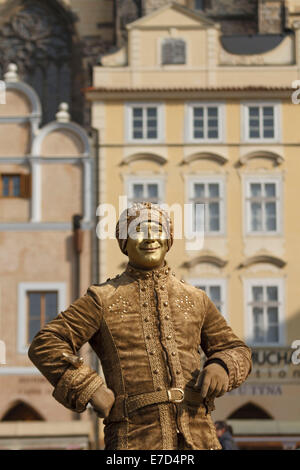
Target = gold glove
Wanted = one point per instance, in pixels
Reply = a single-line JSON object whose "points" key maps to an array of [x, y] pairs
{"points": [[102, 401], [103, 398], [212, 381]]}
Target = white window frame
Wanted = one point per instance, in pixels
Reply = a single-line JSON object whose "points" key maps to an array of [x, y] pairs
{"points": [[277, 180], [220, 179], [23, 288], [248, 284], [160, 121], [214, 282], [189, 121], [159, 180], [245, 121]]}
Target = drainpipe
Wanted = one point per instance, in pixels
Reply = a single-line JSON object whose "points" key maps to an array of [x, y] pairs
{"points": [[95, 274], [77, 246]]}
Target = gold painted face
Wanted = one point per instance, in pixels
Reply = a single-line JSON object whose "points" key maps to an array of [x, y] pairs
{"points": [[148, 247]]}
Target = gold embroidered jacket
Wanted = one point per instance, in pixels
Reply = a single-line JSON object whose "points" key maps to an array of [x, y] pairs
{"points": [[146, 328]]}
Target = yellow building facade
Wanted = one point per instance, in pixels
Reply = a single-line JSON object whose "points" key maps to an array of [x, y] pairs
{"points": [[186, 117]]}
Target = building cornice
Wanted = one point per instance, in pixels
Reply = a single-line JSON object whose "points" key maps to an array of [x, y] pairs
{"points": [[101, 93]]}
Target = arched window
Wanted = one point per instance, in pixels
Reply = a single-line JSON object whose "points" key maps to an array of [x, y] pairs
{"points": [[39, 37], [250, 411], [22, 412], [173, 51]]}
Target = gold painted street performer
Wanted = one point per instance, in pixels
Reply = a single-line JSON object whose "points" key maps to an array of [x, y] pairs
{"points": [[146, 327]]}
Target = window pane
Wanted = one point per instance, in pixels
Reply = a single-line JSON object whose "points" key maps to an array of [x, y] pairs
{"points": [[198, 112], [214, 217], [5, 185], [198, 217], [268, 133], [212, 112], [50, 306], [273, 334], [257, 293], [137, 124], [253, 111], [16, 185], [256, 217], [258, 335], [198, 123], [215, 293], [272, 315], [137, 134], [268, 122], [254, 122], [34, 314], [258, 324], [34, 328], [254, 133], [138, 191], [272, 293], [151, 134], [268, 111], [199, 190], [152, 123], [270, 189], [212, 134], [198, 134], [255, 189], [152, 190], [151, 112], [34, 304], [270, 216], [137, 112], [213, 190]]}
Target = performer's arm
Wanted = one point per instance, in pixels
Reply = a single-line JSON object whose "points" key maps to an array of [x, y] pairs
{"points": [[228, 358], [53, 347]]}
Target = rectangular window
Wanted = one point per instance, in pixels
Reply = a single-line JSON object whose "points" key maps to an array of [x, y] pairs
{"points": [[173, 51], [216, 291], [210, 194], [139, 190], [205, 122], [261, 122], [42, 308], [144, 122], [15, 185], [38, 304], [263, 205], [265, 311]]}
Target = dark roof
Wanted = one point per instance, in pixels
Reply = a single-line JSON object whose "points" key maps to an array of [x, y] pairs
{"points": [[251, 44]]}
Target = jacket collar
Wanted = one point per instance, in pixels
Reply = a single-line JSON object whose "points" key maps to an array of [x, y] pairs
{"points": [[159, 273]]}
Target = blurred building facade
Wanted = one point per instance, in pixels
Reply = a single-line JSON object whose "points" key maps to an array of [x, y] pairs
{"points": [[46, 187], [208, 118], [201, 92]]}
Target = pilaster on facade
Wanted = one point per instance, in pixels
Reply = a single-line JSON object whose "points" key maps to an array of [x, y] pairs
{"points": [[135, 56], [212, 56]]}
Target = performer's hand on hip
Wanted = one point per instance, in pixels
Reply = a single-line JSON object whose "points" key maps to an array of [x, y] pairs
{"points": [[212, 381]]}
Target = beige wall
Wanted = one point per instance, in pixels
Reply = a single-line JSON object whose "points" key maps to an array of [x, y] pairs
{"points": [[60, 205]]}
